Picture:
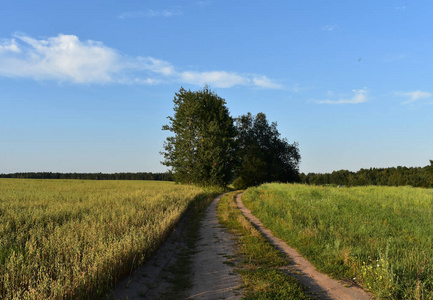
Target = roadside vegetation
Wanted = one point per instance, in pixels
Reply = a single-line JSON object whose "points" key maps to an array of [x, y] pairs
{"points": [[379, 237], [257, 261], [74, 238]]}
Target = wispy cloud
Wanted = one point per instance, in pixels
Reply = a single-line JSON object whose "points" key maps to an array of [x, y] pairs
{"points": [[401, 7], [9, 45], [65, 58], [360, 96], [216, 78], [150, 13], [413, 96], [265, 82], [330, 27]]}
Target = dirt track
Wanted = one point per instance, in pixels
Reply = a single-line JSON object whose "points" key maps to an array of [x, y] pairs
{"points": [[319, 283], [213, 274], [214, 277]]}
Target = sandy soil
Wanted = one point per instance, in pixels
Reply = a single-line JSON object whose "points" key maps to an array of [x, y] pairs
{"points": [[213, 274], [320, 284], [214, 277]]}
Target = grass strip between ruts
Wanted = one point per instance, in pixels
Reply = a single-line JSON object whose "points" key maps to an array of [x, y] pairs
{"points": [[257, 261]]}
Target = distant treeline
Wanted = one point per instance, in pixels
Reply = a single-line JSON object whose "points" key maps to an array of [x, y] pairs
{"points": [[400, 176], [92, 176]]}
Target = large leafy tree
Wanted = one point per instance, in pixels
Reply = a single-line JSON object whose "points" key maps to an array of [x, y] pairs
{"points": [[202, 148], [262, 156]]}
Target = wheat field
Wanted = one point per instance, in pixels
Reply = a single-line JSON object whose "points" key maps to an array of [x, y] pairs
{"points": [[63, 239]]}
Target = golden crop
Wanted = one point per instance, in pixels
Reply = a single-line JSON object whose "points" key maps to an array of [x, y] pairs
{"points": [[63, 239]]}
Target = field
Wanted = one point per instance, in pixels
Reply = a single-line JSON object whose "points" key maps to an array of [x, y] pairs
{"points": [[378, 237], [74, 239]]}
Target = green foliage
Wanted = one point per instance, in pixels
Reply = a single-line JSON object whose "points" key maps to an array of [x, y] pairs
{"points": [[73, 239], [207, 149], [258, 262], [380, 237], [400, 176], [262, 155], [201, 150]]}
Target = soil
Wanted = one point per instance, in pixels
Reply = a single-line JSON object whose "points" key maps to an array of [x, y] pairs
{"points": [[319, 284], [213, 274]]}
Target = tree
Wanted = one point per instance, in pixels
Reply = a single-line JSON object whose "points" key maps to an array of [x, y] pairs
{"points": [[262, 156], [202, 148]]}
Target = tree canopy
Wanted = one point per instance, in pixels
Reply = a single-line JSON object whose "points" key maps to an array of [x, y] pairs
{"points": [[399, 176], [201, 150], [262, 155], [209, 147]]}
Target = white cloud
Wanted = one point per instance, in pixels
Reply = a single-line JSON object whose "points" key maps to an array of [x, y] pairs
{"points": [[265, 82], [414, 96], [359, 97], [154, 65], [65, 58], [9, 46], [150, 13], [216, 78]]}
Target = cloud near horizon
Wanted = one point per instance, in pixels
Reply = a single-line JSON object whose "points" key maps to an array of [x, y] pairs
{"points": [[414, 96], [65, 58], [359, 97]]}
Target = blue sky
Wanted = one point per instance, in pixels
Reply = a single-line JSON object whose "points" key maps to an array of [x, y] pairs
{"points": [[85, 86]]}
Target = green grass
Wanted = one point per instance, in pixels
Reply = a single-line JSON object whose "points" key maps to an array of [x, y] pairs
{"points": [[258, 262], [380, 237], [74, 238]]}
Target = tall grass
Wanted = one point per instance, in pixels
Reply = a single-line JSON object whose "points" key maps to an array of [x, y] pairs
{"points": [[380, 237], [62, 239]]}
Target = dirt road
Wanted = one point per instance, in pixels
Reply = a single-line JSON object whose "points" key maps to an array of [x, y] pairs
{"points": [[320, 284], [213, 276], [213, 273]]}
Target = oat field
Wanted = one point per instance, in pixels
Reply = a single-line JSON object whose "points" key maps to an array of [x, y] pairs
{"points": [[63, 239]]}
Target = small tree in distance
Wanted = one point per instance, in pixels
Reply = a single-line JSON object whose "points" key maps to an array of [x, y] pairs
{"points": [[202, 148]]}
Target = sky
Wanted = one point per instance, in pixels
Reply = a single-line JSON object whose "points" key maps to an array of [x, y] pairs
{"points": [[85, 86]]}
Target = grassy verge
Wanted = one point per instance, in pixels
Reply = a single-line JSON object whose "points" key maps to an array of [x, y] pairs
{"points": [[380, 237], [258, 262]]}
